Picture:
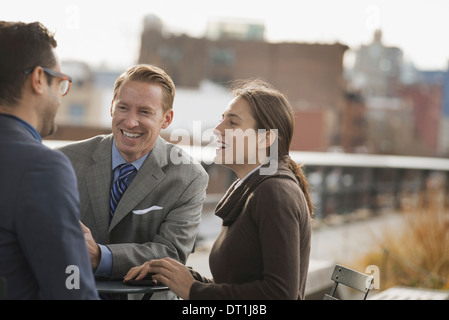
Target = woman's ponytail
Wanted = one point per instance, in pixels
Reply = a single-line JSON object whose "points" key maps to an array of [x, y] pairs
{"points": [[303, 183]]}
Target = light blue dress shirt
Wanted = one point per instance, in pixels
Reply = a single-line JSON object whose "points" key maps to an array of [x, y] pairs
{"points": [[105, 267]]}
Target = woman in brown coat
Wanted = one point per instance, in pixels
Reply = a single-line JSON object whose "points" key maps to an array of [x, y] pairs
{"points": [[263, 249]]}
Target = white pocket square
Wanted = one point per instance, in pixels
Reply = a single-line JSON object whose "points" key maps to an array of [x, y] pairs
{"points": [[143, 211]]}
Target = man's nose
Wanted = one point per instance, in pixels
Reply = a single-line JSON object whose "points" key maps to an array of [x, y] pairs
{"points": [[131, 120]]}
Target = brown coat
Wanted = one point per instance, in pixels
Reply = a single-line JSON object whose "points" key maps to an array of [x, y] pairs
{"points": [[263, 249]]}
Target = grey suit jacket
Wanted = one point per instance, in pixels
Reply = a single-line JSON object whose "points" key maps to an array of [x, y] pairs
{"points": [[159, 213]]}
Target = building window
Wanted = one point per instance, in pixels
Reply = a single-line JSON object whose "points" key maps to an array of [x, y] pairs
{"points": [[76, 113], [221, 57]]}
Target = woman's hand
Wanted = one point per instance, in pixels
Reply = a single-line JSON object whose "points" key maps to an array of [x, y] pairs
{"points": [[170, 272]]}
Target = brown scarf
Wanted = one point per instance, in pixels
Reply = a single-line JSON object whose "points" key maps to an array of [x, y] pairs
{"points": [[234, 200]]}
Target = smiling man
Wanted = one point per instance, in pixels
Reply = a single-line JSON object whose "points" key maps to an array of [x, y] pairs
{"points": [[137, 205], [137, 118]]}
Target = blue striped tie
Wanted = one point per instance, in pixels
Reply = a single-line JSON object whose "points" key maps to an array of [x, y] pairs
{"points": [[120, 185]]}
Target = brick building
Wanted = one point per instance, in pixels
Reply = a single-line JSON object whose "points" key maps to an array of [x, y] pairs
{"points": [[310, 75], [426, 100]]}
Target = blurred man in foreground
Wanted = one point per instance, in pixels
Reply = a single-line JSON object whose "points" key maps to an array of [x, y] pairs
{"points": [[43, 253]]}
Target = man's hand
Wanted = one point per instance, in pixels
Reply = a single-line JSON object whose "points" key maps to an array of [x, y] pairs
{"points": [[92, 247]]}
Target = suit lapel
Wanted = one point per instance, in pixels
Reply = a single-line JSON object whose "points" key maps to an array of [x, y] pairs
{"points": [[98, 181], [148, 177]]}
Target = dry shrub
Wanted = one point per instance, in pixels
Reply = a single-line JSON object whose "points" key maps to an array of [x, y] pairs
{"points": [[417, 255]]}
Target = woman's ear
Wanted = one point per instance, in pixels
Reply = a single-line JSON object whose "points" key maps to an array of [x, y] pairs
{"points": [[267, 139]]}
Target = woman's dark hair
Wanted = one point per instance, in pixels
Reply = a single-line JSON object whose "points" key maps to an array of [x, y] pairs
{"points": [[271, 110], [23, 46]]}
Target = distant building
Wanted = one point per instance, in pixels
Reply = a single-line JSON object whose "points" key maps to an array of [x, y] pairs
{"points": [[196, 112], [435, 86], [390, 127], [85, 111], [89, 100], [377, 69], [237, 29], [407, 109], [76, 106], [353, 126], [310, 75]]}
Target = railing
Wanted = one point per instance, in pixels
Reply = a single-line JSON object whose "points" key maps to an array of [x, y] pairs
{"points": [[343, 183]]}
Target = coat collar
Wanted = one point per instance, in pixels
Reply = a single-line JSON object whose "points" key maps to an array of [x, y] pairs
{"points": [[234, 201], [99, 177]]}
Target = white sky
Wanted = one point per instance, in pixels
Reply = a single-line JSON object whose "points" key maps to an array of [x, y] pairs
{"points": [[108, 32]]}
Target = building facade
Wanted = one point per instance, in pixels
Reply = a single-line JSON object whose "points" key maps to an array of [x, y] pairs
{"points": [[310, 75]]}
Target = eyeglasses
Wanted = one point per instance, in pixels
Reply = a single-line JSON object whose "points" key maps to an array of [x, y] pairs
{"points": [[64, 84]]}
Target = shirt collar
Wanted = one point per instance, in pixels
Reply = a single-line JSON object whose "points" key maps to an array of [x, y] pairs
{"points": [[117, 158]]}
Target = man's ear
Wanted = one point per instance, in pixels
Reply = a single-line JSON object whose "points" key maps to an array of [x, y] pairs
{"points": [[39, 82], [168, 119], [112, 107]]}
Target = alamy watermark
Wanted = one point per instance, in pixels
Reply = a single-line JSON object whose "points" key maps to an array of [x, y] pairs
{"points": [[374, 271], [373, 17], [236, 146], [73, 280], [73, 17]]}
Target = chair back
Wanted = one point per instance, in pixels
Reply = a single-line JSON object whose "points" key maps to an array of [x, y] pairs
{"points": [[350, 278]]}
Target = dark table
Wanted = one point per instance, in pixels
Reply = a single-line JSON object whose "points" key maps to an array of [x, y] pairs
{"points": [[118, 287]]}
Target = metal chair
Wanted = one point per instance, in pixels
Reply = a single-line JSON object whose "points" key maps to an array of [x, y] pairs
{"points": [[3, 294], [350, 278]]}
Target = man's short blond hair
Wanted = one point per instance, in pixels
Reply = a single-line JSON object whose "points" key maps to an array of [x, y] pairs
{"points": [[149, 74]]}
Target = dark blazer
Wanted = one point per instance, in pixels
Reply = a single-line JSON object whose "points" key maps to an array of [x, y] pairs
{"points": [[43, 252], [159, 213]]}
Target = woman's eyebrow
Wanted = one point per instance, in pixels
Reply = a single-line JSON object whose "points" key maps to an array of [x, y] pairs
{"points": [[230, 115]]}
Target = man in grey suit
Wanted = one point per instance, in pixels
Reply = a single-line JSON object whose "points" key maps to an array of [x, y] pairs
{"points": [[155, 211], [43, 253]]}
